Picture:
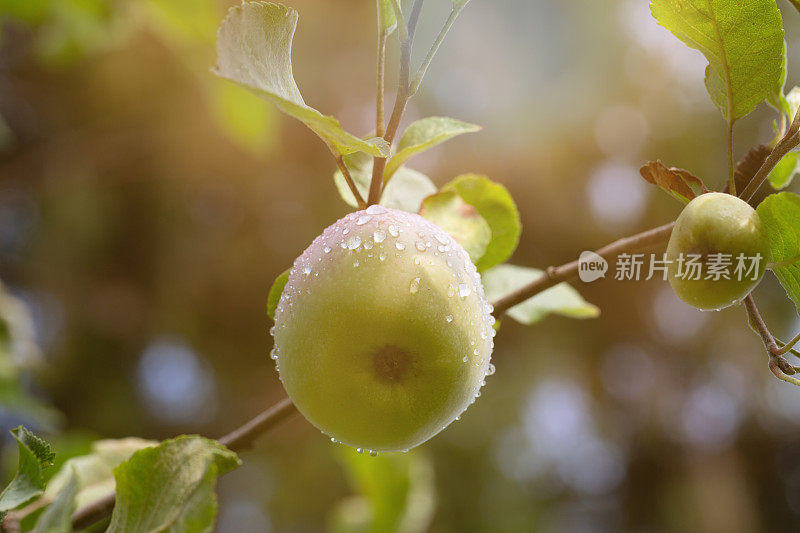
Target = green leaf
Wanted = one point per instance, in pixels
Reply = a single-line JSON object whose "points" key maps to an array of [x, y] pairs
{"points": [[780, 214], [742, 41], [254, 46], [561, 299], [776, 98], [387, 18], [450, 212], [406, 191], [395, 493], [422, 135], [93, 472], [275, 292], [57, 517], [494, 205], [28, 483], [170, 487], [786, 169]]}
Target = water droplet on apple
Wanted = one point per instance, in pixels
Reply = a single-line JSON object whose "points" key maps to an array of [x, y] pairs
{"points": [[363, 219], [464, 290], [400, 246], [353, 242], [379, 235], [393, 230], [375, 209], [449, 318], [414, 288]]}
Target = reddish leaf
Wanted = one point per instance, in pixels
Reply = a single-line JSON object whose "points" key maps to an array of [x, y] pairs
{"points": [[680, 183]]}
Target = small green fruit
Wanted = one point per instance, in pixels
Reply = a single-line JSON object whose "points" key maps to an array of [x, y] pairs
{"points": [[717, 223], [382, 334]]}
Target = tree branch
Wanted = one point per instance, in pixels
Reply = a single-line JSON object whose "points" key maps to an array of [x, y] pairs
{"points": [[556, 274], [400, 102], [789, 141], [778, 365], [243, 437], [237, 440]]}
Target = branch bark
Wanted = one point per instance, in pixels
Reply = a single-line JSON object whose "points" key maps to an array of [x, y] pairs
{"points": [[556, 274], [789, 141], [779, 366]]}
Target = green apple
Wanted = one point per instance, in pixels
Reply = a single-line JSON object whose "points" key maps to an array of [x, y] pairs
{"points": [[383, 335], [717, 228]]}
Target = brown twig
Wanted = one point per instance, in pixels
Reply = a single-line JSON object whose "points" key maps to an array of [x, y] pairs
{"points": [[380, 125], [556, 274], [242, 438], [789, 141], [237, 440], [777, 363], [400, 102], [349, 179]]}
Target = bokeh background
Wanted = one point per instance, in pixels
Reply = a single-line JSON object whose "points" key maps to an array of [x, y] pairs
{"points": [[146, 207]]}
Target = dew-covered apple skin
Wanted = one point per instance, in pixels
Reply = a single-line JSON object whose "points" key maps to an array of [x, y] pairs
{"points": [[383, 335], [717, 223]]}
